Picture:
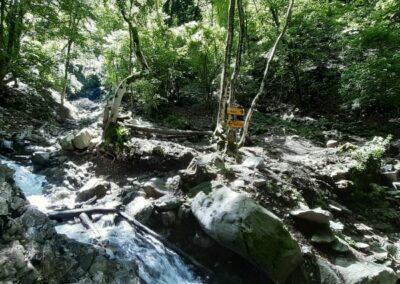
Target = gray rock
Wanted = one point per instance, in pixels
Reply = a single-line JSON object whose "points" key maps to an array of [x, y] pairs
{"points": [[238, 223], [323, 237], [316, 215], [3, 207], [341, 246], [168, 218], [339, 174], [7, 146], [66, 142], [82, 139], [327, 275], [201, 169], [173, 183], [332, 144], [168, 202], [5, 173], [140, 209], [94, 187], [254, 163], [155, 188], [202, 241], [360, 272], [259, 182]]}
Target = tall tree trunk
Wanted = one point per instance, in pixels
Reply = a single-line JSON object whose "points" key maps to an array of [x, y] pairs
{"points": [[231, 133], [66, 67], [225, 71], [271, 55]]}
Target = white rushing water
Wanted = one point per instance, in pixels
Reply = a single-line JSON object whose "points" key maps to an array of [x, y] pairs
{"points": [[157, 263]]}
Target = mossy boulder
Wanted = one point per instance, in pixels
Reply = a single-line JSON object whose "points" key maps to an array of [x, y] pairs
{"points": [[238, 223]]}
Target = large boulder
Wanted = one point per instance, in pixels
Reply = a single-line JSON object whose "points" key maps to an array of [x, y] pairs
{"points": [[316, 215], [94, 187], [238, 223], [66, 142], [82, 140]]}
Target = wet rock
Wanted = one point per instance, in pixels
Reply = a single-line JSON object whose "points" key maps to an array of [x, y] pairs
{"points": [[155, 188], [173, 183], [360, 272], [168, 218], [82, 140], [140, 209], [316, 215], [94, 187], [5, 173], [168, 202], [238, 223], [332, 144], [201, 169], [7, 146], [66, 142], [41, 159], [254, 163], [38, 226]]}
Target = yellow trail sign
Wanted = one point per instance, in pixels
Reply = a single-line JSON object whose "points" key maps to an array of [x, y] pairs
{"points": [[235, 124], [235, 111]]}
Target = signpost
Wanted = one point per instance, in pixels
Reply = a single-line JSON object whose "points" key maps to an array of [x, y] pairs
{"points": [[235, 124], [237, 112]]}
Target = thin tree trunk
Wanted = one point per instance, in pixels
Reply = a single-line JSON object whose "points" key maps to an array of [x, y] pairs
{"points": [[231, 133], [224, 75], [66, 67], [264, 79]]}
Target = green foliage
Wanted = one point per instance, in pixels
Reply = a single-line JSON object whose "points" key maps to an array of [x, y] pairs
{"points": [[115, 135]]}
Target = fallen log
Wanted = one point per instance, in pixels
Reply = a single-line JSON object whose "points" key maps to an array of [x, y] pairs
{"points": [[165, 131], [88, 224], [69, 214]]}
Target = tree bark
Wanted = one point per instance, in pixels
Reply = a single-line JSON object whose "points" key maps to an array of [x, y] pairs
{"points": [[264, 79], [69, 214], [225, 71]]}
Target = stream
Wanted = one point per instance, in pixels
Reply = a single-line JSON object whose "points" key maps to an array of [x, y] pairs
{"points": [[157, 263]]}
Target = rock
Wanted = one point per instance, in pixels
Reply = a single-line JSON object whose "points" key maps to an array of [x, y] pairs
{"points": [[7, 146], [259, 182], [168, 202], [340, 246], [324, 237], [66, 142], [396, 185], [391, 176], [5, 173], [332, 144], [316, 215], [201, 169], [173, 183], [184, 211], [327, 274], [94, 187], [3, 207], [202, 241], [140, 209], [238, 223], [82, 140], [168, 218], [339, 174], [254, 163], [155, 188], [362, 246], [360, 272], [344, 184], [41, 159]]}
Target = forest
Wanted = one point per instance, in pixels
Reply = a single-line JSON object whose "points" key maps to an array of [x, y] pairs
{"points": [[200, 141]]}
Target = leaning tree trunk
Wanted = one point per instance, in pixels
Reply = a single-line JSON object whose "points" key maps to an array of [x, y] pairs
{"points": [[224, 75], [231, 133], [259, 94]]}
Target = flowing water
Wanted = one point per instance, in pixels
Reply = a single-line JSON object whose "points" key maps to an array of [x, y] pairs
{"points": [[157, 263]]}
